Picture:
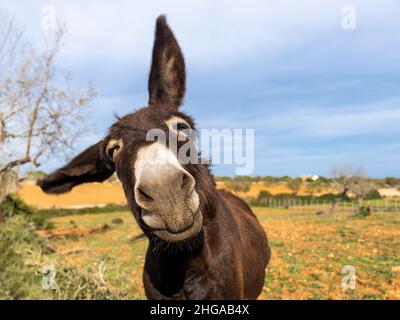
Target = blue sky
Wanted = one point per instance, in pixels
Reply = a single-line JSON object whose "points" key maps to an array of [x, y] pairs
{"points": [[316, 94]]}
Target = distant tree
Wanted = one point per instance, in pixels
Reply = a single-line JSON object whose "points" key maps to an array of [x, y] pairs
{"points": [[238, 184], [264, 194], [392, 181], [360, 185], [294, 185], [351, 181], [222, 178], [325, 180], [311, 187], [268, 180], [373, 195], [342, 179], [36, 174]]}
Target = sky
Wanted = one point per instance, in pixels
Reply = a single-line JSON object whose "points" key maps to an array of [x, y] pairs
{"points": [[316, 94]]}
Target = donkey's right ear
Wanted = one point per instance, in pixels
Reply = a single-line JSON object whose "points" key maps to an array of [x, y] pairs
{"points": [[92, 165]]}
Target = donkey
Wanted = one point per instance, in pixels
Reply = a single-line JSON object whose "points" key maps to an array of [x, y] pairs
{"points": [[204, 243]]}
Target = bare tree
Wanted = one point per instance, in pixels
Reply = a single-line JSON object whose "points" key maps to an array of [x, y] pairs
{"points": [[351, 182], [41, 112], [342, 179], [360, 185]]}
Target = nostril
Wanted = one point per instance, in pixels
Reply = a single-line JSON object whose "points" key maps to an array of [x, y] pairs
{"points": [[187, 182], [144, 195]]}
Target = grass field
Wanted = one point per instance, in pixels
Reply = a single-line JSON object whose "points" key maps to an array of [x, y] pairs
{"points": [[309, 252]]}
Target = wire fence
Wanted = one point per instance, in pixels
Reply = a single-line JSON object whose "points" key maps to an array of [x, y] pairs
{"points": [[381, 205]]}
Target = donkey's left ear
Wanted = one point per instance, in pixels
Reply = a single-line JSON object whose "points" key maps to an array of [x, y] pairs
{"points": [[167, 75], [92, 165]]}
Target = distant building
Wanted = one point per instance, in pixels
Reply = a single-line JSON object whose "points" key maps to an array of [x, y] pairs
{"points": [[389, 192], [309, 177]]}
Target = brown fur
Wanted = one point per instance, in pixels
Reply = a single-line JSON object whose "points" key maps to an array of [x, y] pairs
{"points": [[227, 259]]}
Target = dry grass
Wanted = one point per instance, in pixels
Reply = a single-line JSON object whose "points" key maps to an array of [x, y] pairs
{"points": [[309, 252]]}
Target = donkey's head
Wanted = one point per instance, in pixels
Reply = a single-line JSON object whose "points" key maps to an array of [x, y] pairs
{"points": [[169, 197]]}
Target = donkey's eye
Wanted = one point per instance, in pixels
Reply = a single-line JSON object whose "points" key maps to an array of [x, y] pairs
{"points": [[180, 126]]}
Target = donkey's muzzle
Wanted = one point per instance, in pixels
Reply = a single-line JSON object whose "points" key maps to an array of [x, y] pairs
{"points": [[166, 192]]}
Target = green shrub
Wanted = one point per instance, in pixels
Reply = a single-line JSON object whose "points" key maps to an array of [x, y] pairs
{"points": [[60, 212], [373, 195], [19, 248], [286, 198], [14, 205], [264, 194], [34, 175], [117, 221], [327, 197], [364, 211]]}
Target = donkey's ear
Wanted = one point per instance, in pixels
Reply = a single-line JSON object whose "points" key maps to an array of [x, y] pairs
{"points": [[167, 74], [92, 165]]}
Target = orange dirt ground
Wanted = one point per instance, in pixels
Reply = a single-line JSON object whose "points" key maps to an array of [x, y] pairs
{"points": [[92, 194], [99, 194]]}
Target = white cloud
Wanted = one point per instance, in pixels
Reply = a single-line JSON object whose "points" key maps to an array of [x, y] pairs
{"points": [[212, 33], [382, 117]]}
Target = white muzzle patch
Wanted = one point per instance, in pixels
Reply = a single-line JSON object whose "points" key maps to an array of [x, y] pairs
{"points": [[166, 192]]}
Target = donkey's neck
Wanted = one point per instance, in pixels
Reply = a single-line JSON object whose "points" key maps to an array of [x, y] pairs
{"points": [[167, 269]]}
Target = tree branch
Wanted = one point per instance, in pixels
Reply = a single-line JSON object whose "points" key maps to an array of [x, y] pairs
{"points": [[15, 163]]}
